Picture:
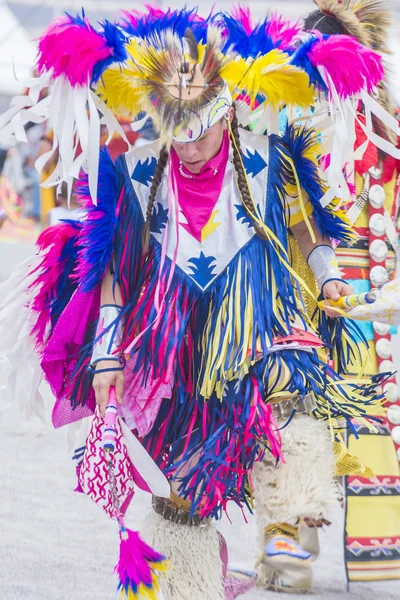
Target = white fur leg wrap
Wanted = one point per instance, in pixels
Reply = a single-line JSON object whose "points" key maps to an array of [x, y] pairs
{"points": [[194, 553], [304, 485]]}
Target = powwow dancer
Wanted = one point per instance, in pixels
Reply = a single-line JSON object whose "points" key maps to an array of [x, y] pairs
{"points": [[177, 289]]}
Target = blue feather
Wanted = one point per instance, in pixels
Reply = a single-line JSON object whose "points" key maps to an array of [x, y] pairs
{"points": [[301, 59], [66, 284], [79, 19], [146, 25], [294, 144], [115, 39], [257, 43], [99, 225]]}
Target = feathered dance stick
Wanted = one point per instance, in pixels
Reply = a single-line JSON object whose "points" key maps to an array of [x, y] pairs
{"points": [[138, 565]]}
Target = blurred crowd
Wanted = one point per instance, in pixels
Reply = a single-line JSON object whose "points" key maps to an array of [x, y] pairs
{"points": [[22, 197]]}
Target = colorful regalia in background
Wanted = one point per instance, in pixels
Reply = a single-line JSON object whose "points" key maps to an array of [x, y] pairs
{"points": [[372, 540]]}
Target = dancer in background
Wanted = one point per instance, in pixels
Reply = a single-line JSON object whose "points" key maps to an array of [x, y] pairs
{"points": [[373, 505]]}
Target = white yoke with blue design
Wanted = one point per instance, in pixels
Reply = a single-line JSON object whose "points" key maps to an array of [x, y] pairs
{"points": [[229, 228]]}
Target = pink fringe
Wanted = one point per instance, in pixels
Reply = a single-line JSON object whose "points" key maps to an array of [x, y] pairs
{"points": [[260, 414], [351, 66], [71, 50]]}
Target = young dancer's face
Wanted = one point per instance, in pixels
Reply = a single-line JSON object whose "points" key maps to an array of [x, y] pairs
{"points": [[194, 155]]}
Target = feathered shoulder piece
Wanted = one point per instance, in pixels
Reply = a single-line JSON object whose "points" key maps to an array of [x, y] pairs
{"points": [[72, 55]]}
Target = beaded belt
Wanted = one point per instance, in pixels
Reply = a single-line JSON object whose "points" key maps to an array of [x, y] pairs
{"points": [[170, 512], [285, 408]]}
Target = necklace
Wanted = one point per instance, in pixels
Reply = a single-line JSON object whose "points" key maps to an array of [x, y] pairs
{"points": [[187, 176], [182, 172]]}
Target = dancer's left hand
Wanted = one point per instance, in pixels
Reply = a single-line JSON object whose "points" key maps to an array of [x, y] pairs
{"points": [[317, 522], [333, 290]]}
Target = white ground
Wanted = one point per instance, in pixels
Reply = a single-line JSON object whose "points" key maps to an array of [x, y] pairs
{"points": [[57, 545]]}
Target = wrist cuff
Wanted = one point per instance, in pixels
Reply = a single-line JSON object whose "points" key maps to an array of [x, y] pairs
{"points": [[322, 262], [108, 334]]}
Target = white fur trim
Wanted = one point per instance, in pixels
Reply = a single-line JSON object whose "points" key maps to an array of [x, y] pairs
{"points": [[194, 553], [303, 486]]}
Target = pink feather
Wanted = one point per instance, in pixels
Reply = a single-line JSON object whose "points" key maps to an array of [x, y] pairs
{"points": [[137, 562], [351, 66], [243, 15], [283, 31], [133, 16], [51, 243], [71, 50]]}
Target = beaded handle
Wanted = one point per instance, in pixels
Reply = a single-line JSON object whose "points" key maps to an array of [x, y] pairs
{"points": [[354, 300], [109, 437], [110, 419]]}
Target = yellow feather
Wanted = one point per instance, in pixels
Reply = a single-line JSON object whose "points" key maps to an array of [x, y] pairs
{"points": [[144, 592], [272, 76], [201, 49], [118, 90]]}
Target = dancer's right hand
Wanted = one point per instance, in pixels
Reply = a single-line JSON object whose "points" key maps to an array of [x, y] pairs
{"points": [[103, 381]]}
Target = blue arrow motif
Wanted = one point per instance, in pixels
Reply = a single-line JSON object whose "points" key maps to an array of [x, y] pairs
{"points": [[144, 171], [253, 162], [242, 215], [159, 218], [202, 268]]}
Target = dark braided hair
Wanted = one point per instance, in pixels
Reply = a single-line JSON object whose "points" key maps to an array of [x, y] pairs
{"points": [[158, 173], [241, 177]]}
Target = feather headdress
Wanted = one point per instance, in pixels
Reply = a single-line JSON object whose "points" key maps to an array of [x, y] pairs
{"points": [[271, 79], [175, 66], [172, 78], [261, 71], [251, 39], [168, 77]]}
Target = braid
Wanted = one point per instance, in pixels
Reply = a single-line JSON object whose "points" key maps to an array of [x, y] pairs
{"points": [[241, 177], [158, 173]]}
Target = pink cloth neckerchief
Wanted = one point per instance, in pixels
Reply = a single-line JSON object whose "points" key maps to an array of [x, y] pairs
{"points": [[198, 196]]}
